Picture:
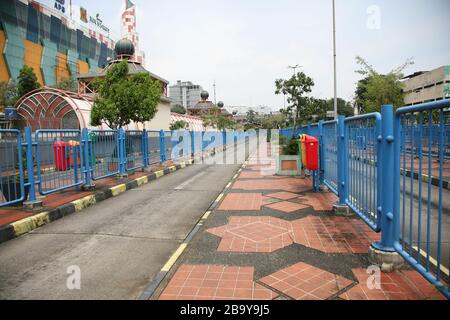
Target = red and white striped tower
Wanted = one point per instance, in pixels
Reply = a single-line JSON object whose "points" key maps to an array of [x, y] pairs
{"points": [[129, 29]]}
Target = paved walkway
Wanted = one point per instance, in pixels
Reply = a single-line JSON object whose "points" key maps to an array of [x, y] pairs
{"points": [[271, 237]]}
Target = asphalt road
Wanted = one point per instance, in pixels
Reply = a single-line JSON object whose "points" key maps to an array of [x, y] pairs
{"points": [[119, 244]]}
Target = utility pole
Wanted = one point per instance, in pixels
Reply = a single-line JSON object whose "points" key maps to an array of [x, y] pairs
{"points": [[334, 61], [214, 85]]}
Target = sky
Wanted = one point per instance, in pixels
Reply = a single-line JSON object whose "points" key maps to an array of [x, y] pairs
{"points": [[244, 45]]}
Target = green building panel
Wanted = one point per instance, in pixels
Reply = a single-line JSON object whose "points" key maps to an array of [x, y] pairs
{"points": [[14, 49], [49, 59], [93, 65], [72, 62]]}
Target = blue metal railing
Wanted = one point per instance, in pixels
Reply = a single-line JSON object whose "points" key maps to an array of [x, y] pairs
{"points": [[11, 168], [103, 153], [59, 160], [329, 165], [363, 174], [153, 147], [421, 209], [134, 149], [56, 160], [390, 168]]}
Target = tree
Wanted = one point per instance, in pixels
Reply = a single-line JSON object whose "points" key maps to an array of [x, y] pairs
{"points": [[27, 81], [8, 93], [378, 89], [218, 121], [180, 124], [3, 88], [68, 84], [177, 108], [295, 88], [273, 121], [123, 98]]}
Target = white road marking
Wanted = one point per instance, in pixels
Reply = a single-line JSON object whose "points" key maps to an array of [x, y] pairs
{"points": [[188, 181]]}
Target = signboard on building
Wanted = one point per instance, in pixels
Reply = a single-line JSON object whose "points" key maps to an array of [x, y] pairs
{"points": [[60, 6], [78, 14], [94, 22]]}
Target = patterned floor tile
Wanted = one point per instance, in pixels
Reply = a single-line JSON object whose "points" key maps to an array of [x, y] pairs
{"points": [[306, 282], [242, 201], [253, 234], [398, 285], [215, 282], [286, 206], [333, 234]]}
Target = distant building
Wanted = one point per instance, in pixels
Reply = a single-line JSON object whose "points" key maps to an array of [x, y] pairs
{"points": [[426, 86], [185, 94]]}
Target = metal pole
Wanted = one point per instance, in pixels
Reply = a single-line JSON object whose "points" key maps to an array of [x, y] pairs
{"points": [[334, 61], [342, 162], [389, 180]]}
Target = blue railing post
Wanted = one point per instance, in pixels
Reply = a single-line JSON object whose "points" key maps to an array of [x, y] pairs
{"points": [[321, 154], [87, 159], [389, 179], [32, 201], [203, 145], [193, 143], [122, 153], [224, 139], [342, 162], [162, 146], [145, 148]]}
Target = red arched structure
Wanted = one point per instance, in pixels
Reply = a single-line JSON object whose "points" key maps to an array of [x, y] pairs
{"points": [[46, 107]]}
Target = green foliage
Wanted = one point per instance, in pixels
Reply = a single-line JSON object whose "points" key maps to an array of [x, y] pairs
{"points": [[178, 109], [377, 89], [319, 108], [252, 120], [68, 84], [123, 98], [295, 89], [27, 81], [218, 121], [178, 125], [8, 93], [273, 121], [289, 147]]}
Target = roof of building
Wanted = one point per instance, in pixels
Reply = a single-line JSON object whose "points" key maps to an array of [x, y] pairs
{"points": [[133, 68]]}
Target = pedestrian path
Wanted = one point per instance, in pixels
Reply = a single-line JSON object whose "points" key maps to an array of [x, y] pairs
{"points": [[271, 237]]}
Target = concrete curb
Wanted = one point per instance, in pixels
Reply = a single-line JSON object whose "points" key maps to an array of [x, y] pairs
{"points": [[174, 258], [24, 226]]}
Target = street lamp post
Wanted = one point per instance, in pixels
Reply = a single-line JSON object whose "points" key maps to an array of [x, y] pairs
{"points": [[334, 61]]}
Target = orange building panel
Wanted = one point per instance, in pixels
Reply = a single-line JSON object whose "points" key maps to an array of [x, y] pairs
{"points": [[62, 68], [83, 67], [33, 58], [4, 74]]}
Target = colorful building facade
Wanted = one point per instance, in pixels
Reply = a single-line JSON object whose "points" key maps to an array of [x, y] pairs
{"points": [[49, 41]]}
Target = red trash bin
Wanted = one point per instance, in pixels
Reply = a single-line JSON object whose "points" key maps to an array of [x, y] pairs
{"points": [[59, 153], [312, 152]]}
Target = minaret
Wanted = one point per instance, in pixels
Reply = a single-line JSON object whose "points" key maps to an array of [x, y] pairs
{"points": [[129, 29]]}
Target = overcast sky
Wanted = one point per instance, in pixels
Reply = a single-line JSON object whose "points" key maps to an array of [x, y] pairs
{"points": [[244, 45]]}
